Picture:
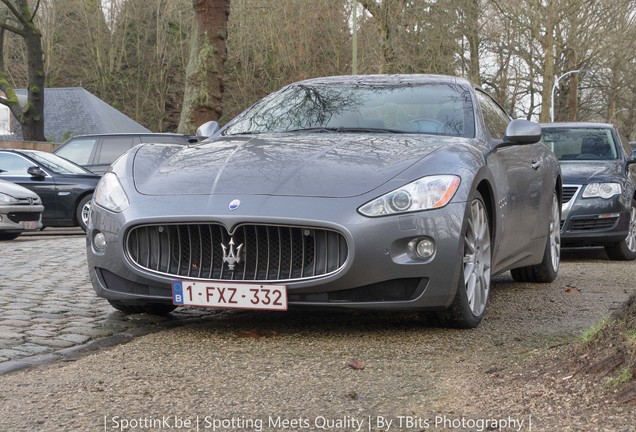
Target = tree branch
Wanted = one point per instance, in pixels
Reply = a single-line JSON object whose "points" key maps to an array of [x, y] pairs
{"points": [[15, 12]]}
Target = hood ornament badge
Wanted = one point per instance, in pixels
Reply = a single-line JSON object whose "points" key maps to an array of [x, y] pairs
{"points": [[234, 204], [230, 256]]}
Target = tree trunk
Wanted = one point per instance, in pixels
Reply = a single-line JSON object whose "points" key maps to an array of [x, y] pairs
{"points": [[33, 116], [30, 117], [202, 100]]}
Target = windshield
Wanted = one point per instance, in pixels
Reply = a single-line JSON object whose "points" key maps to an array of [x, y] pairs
{"points": [[438, 109], [580, 143], [55, 163]]}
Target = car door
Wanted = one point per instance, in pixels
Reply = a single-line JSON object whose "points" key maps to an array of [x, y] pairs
{"points": [[519, 187], [13, 168]]}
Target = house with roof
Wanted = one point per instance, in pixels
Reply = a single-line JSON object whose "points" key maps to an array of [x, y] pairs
{"points": [[71, 111]]}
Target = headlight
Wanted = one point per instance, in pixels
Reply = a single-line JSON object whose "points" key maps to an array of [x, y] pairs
{"points": [[602, 190], [110, 194], [423, 194], [7, 199]]}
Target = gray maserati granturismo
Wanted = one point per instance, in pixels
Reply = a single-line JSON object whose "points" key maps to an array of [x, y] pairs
{"points": [[379, 192]]}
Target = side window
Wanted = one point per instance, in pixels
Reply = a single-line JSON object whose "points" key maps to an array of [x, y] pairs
{"points": [[13, 165], [78, 151], [112, 148], [495, 118]]}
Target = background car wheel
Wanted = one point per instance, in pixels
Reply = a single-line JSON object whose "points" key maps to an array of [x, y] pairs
{"points": [[625, 250], [150, 308], [548, 269], [469, 306], [82, 211], [8, 236]]}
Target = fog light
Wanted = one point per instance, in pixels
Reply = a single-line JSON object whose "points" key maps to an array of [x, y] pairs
{"points": [[0, 218], [99, 241], [422, 248]]}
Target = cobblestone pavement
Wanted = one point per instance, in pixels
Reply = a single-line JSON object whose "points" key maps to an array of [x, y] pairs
{"points": [[48, 309]]}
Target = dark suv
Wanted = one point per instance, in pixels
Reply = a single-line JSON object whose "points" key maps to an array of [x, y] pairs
{"points": [[97, 152], [599, 177]]}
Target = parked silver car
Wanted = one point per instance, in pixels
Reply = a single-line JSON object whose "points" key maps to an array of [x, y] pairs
{"points": [[20, 210], [362, 192]]}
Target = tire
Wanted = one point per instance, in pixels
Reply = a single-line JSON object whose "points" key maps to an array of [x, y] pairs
{"points": [[469, 305], [149, 308], [625, 250], [8, 236], [82, 211], [547, 270]]}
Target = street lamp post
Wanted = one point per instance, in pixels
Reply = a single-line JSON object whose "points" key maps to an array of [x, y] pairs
{"points": [[556, 83]]}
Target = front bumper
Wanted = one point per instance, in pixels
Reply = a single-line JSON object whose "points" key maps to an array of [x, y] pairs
{"points": [[594, 221], [379, 272], [13, 218]]}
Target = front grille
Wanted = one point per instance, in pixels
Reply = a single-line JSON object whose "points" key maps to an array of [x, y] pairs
{"points": [[23, 216], [262, 252], [568, 193], [593, 224]]}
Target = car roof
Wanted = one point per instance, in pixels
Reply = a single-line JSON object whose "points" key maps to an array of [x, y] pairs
{"points": [[382, 79], [578, 125], [130, 134]]}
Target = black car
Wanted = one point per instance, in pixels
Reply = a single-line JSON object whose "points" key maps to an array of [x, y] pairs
{"points": [[97, 152], [599, 201], [66, 189]]}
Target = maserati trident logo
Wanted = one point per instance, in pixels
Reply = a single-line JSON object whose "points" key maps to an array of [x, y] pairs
{"points": [[231, 256]]}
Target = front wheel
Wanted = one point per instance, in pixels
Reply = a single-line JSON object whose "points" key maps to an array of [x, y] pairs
{"points": [[83, 210], [547, 270], [469, 305], [8, 236], [625, 250]]}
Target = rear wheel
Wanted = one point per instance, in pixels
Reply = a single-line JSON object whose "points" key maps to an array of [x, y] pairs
{"points": [[8, 236], [625, 250], [149, 308], [547, 270], [83, 210], [469, 305]]}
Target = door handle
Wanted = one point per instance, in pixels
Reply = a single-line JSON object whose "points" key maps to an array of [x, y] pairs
{"points": [[536, 165]]}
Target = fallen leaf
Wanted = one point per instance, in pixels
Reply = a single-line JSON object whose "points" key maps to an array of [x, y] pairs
{"points": [[355, 364]]}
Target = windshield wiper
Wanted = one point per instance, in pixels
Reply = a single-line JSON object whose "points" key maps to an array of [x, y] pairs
{"points": [[347, 129]]}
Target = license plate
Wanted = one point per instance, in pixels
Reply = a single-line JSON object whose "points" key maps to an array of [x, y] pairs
{"points": [[229, 295], [30, 225]]}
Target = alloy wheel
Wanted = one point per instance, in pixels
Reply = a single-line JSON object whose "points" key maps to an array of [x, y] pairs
{"points": [[477, 257], [555, 233], [630, 240]]}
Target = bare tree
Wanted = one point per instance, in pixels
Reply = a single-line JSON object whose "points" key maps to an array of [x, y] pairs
{"points": [[17, 17], [203, 96]]}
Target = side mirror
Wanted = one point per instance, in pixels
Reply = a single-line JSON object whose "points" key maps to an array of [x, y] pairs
{"points": [[36, 171], [208, 129], [521, 131]]}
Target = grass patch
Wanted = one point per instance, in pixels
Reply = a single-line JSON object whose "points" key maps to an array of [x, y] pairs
{"points": [[593, 332]]}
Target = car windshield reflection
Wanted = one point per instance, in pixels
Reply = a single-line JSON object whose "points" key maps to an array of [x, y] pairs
{"points": [[56, 164], [436, 109], [580, 143]]}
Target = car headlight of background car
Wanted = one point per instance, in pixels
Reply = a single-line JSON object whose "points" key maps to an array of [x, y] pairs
{"points": [[110, 194], [7, 199], [602, 190], [422, 194]]}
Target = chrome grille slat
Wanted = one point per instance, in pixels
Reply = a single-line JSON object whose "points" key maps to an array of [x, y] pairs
{"points": [[268, 252]]}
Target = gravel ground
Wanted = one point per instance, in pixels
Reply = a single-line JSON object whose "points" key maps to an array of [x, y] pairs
{"points": [[244, 371]]}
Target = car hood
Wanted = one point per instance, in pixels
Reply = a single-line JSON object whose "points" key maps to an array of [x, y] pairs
{"points": [[580, 172], [320, 165], [16, 191]]}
